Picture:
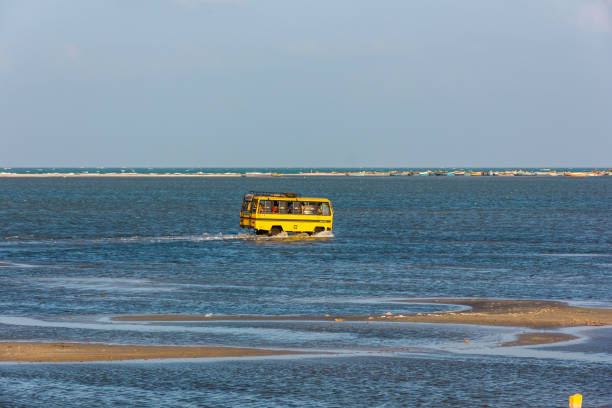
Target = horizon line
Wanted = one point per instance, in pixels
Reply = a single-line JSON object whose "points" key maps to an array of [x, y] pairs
{"points": [[295, 167]]}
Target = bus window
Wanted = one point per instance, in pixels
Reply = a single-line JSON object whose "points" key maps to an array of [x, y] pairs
{"points": [[283, 207], [267, 206], [310, 208], [245, 205], [325, 209], [296, 207]]}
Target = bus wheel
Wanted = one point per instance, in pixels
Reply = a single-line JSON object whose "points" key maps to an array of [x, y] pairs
{"points": [[318, 229], [261, 232], [275, 231]]}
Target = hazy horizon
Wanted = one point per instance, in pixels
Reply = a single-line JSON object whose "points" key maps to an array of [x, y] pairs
{"points": [[309, 167]]}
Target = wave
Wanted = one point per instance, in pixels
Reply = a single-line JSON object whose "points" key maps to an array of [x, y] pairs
{"points": [[6, 264], [219, 328], [116, 285], [163, 238]]}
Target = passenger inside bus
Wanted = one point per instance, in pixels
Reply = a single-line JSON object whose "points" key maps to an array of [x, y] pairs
{"points": [[311, 208], [296, 208], [283, 207]]}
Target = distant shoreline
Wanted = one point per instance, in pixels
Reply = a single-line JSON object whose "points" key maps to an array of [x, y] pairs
{"points": [[427, 173]]}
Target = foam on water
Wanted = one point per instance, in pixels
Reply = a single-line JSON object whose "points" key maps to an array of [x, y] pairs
{"points": [[106, 284], [5, 264], [161, 239], [263, 333]]}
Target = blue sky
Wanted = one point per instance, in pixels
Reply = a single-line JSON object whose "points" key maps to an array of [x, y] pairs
{"points": [[306, 83]]}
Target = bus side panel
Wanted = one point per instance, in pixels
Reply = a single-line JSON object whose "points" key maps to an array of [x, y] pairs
{"points": [[288, 222], [297, 224]]}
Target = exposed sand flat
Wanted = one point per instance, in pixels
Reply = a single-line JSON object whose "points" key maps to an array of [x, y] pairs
{"points": [[526, 339], [537, 314], [519, 313], [72, 352]]}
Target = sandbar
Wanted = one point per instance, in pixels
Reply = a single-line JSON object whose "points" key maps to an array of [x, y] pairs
{"points": [[537, 314], [78, 352], [530, 339]]}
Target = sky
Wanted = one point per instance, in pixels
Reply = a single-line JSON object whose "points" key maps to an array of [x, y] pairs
{"points": [[277, 83]]}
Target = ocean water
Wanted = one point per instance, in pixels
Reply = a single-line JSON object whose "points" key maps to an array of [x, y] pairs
{"points": [[75, 252]]}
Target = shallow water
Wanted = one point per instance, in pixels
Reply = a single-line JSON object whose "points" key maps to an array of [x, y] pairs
{"points": [[74, 252]]}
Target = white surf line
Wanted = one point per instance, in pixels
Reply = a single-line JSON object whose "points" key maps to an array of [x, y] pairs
{"points": [[270, 334], [160, 239], [7, 264]]}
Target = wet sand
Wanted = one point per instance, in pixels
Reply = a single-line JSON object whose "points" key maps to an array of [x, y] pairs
{"points": [[530, 339], [537, 314], [76, 352]]}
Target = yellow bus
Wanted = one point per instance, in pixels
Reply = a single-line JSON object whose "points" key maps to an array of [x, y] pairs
{"points": [[272, 213]]}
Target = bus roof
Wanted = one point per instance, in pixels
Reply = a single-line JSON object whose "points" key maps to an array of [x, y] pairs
{"points": [[273, 194], [286, 196]]}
